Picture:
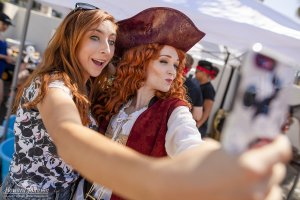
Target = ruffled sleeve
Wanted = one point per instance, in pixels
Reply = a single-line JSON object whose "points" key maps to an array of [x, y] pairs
{"points": [[61, 85]]}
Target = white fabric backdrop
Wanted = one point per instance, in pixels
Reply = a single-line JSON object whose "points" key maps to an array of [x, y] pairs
{"points": [[234, 23]]}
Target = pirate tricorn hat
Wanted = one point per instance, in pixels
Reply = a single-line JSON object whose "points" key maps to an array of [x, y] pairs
{"points": [[161, 25]]}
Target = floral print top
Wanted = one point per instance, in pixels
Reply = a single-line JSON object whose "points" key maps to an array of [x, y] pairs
{"points": [[36, 164]]}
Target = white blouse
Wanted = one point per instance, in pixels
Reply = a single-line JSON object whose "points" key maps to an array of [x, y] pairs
{"points": [[182, 134]]}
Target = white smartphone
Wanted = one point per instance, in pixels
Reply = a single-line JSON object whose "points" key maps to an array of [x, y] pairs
{"points": [[261, 105]]}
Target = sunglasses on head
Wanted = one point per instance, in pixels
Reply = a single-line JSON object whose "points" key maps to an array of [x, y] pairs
{"points": [[84, 6]]}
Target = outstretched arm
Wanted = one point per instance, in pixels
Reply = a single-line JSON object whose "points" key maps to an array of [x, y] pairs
{"points": [[206, 172], [94, 156]]}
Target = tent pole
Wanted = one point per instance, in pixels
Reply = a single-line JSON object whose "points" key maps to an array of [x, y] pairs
{"points": [[13, 87], [228, 54]]}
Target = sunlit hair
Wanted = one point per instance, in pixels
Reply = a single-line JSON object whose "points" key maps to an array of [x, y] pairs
{"points": [[61, 63], [130, 76]]}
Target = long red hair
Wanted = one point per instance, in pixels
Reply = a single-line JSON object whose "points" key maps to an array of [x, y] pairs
{"points": [[61, 63], [130, 75]]}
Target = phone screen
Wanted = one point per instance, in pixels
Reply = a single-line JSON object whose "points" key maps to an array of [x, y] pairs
{"points": [[260, 105]]}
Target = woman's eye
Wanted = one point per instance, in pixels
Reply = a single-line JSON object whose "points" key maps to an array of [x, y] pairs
{"points": [[176, 67], [95, 38], [111, 42], [163, 61]]}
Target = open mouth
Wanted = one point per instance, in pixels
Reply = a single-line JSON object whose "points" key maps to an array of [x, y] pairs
{"points": [[98, 62]]}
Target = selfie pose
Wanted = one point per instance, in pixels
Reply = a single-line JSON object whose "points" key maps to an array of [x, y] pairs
{"points": [[151, 114]]}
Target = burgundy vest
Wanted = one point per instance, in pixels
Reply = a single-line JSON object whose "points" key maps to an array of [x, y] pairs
{"points": [[148, 133]]}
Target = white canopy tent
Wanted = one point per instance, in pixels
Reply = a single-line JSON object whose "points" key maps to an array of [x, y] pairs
{"points": [[233, 23]]}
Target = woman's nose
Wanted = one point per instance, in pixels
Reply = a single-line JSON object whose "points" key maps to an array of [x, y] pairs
{"points": [[105, 47], [172, 70]]}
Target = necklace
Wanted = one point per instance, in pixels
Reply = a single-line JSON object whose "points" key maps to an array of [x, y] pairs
{"points": [[91, 195]]}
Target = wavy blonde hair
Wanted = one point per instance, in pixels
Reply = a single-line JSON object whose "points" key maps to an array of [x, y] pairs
{"points": [[130, 76], [61, 63]]}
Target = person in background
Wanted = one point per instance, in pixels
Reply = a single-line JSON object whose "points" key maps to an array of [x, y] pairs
{"points": [[151, 114], [1, 91], [5, 22], [77, 54], [205, 72], [193, 91]]}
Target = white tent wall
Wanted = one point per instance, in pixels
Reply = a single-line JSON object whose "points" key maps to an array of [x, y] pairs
{"points": [[40, 28], [270, 13], [38, 33]]}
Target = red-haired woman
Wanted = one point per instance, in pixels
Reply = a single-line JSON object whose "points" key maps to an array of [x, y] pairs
{"points": [[82, 46], [146, 107]]}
